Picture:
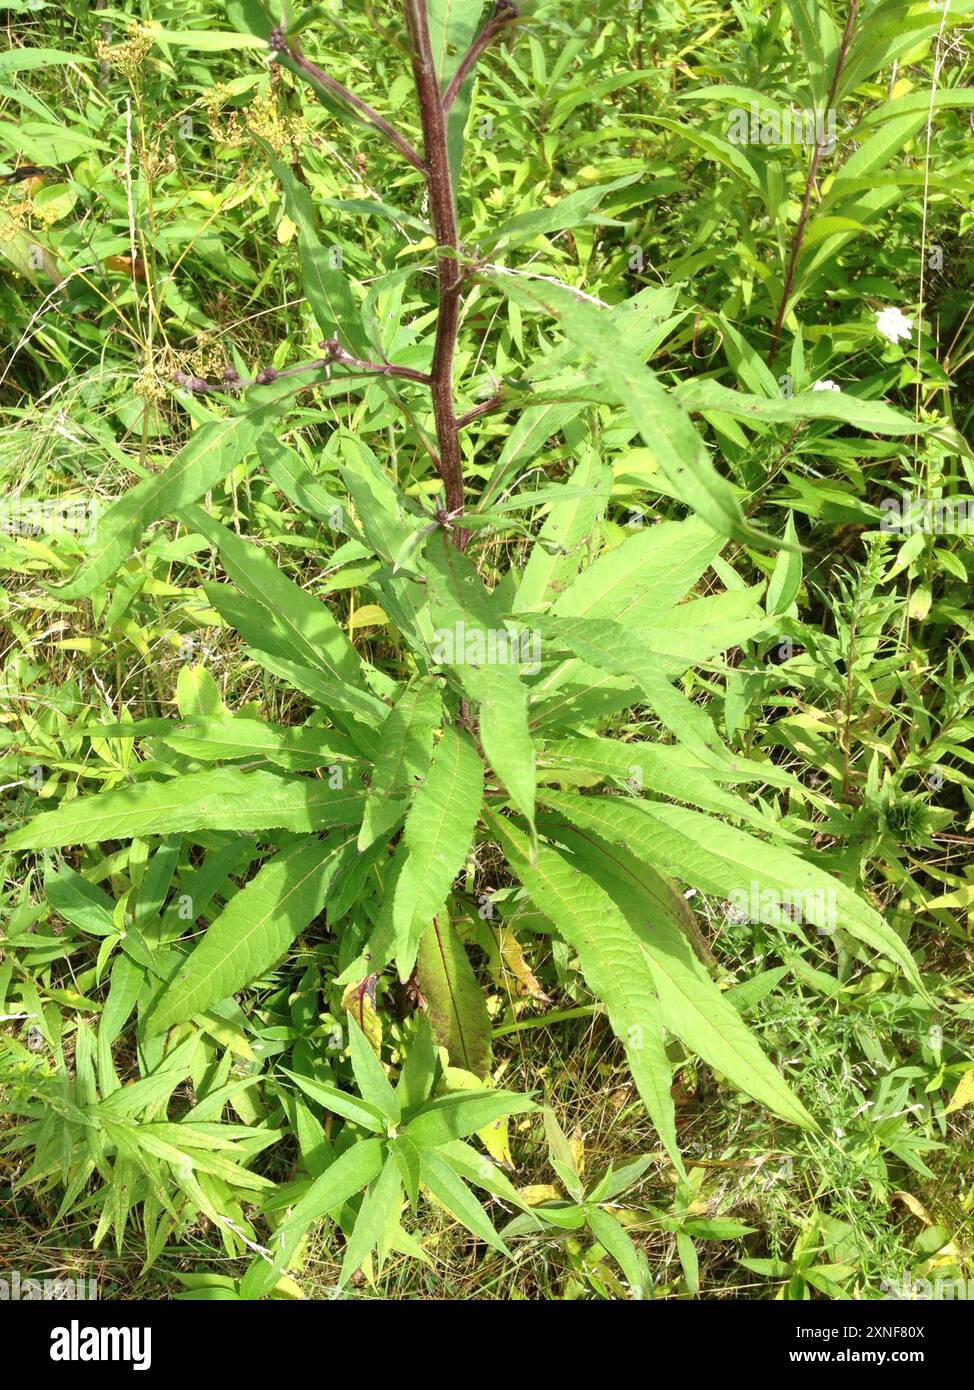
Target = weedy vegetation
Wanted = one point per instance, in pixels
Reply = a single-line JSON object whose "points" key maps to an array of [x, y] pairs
{"points": [[486, 716]]}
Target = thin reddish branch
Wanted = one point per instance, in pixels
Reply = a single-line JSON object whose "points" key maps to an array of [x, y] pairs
{"points": [[435, 167], [284, 49], [334, 353], [378, 368], [479, 410], [505, 13], [450, 274]]}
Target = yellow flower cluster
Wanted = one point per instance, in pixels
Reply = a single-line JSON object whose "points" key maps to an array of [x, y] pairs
{"points": [[126, 57], [261, 118]]}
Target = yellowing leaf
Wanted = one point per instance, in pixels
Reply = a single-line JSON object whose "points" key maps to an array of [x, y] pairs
{"points": [[964, 1094]]}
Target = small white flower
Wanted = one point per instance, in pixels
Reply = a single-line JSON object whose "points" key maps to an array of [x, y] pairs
{"points": [[826, 386], [893, 324]]}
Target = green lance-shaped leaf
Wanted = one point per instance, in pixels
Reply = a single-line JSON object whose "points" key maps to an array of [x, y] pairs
{"points": [[663, 424], [350, 1107], [460, 1113], [254, 930], [611, 960], [692, 1006], [526, 438], [612, 1236], [786, 578], [611, 647], [568, 527], [645, 576], [663, 768], [718, 858], [468, 623], [76, 900], [379, 1208], [452, 28], [436, 840], [635, 583], [876, 417], [370, 1077], [223, 737], [23, 59], [405, 749], [442, 1182], [271, 646], [292, 476], [344, 1178], [394, 533], [202, 40], [453, 25], [213, 451], [216, 799], [456, 1003], [218, 738], [325, 282], [575, 210], [315, 638], [667, 648]]}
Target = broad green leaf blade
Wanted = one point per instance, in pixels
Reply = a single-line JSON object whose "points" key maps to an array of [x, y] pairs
{"points": [[405, 751], [216, 799], [453, 25], [665, 427], [692, 1006], [786, 578], [254, 930], [572, 211], [370, 1077], [456, 1003], [380, 1206], [213, 452], [527, 437], [457, 1115], [612, 962], [568, 528], [350, 1172], [438, 832], [221, 737], [616, 1242], [395, 535], [453, 1194], [718, 858], [314, 634], [649, 573], [648, 654], [419, 1069], [610, 647], [271, 647], [452, 28], [24, 59], [875, 417], [301, 749], [341, 1180], [76, 900], [202, 40], [326, 285], [470, 1165], [663, 768], [294, 478], [465, 615]]}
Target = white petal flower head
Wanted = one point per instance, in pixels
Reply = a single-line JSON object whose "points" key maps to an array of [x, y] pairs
{"points": [[826, 386], [893, 324]]}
